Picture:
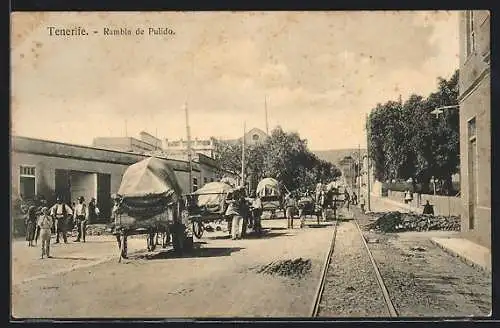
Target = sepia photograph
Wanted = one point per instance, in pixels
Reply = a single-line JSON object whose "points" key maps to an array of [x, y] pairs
{"points": [[250, 164]]}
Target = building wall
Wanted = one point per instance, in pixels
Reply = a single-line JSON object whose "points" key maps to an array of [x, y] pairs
{"points": [[46, 166], [474, 101], [47, 157], [125, 144]]}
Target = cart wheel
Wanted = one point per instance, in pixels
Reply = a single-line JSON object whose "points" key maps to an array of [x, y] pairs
{"points": [[197, 229]]}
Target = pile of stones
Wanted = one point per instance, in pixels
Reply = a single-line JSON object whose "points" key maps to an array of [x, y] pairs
{"points": [[297, 268], [399, 222]]}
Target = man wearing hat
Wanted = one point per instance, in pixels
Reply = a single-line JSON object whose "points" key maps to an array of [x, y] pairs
{"points": [[80, 216], [45, 225], [234, 210], [60, 212]]}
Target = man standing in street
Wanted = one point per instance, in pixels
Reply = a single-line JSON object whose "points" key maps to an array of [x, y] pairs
{"points": [[93, 212], [290, 206], [60, 212], [235, 211], [80, 217]]}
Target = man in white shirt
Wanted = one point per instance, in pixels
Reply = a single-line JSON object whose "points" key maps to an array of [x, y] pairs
{"points": [[60, 212], [80, 216]]}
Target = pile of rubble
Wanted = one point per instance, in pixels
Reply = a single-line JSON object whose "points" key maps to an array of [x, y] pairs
{"points": [[98, 229], [399, 222], [297, 268]]}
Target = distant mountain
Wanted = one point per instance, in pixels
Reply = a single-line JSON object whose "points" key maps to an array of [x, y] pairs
{"points": [[335, 155]]}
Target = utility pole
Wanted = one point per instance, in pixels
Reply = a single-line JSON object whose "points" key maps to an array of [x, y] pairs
{"points": [[267, 121], [243, 156], [368, 161], [190, 168], [126, 132], [359, 170]]}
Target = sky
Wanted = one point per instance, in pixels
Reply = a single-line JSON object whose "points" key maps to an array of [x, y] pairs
{"points": [[321, 72]]}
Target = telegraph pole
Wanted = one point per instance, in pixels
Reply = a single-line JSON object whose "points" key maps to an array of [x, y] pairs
{"points": [[243, 156], [190, 168], [368, 161], [267, 121], [359, 170]]}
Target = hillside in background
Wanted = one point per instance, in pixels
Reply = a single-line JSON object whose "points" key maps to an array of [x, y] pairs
{"points": [[335, 155]]}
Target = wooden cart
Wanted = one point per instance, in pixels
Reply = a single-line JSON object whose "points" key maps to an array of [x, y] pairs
{"points": [[148, 203]]}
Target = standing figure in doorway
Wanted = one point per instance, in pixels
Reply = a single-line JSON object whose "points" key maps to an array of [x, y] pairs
{"points": [[80, 216], [93, 211], [60, 212]]}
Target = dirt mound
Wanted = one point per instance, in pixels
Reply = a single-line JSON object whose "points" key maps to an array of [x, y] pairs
{"points": [[98, 230], [399, 222], [297, 268]]}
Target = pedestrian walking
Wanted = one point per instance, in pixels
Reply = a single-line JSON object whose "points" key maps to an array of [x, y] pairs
{"points": [[45, 224], [30, 223], [354, 199], [408, 197], [93, 211], [257, 214], [290, 205], [362, 203], [428, 208], [60, 212], [234, 210], [347, 199], [80, 216]]}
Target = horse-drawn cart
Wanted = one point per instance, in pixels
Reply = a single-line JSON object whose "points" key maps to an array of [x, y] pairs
{"points": [[268, 190], [148, 203], [206, 205]]}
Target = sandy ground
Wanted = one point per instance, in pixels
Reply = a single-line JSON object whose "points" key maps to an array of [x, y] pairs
{"points": [[425, 281], [220, 278], [351, 288]]}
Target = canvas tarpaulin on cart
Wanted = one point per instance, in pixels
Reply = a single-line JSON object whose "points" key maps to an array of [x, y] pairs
{"points": [[148, 187], [268, 187], [212, 196]]}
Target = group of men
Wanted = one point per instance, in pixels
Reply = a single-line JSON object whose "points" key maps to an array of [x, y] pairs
{"points": [[80, 214], [40, 223]]}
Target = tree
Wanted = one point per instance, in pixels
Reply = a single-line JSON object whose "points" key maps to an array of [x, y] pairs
{"points": [[407, 141], [283, 156]]}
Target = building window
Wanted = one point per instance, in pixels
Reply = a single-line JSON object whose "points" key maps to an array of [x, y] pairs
{"points": [[471, 128], [255, 137], [469, 32], [27, 182], [195, 184]]}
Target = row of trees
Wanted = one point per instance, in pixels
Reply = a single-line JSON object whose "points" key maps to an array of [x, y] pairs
{"points": [[407, 141], [283, 156]]}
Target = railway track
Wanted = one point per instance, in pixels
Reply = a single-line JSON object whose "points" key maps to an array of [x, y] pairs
{"points": [[315, 309]]}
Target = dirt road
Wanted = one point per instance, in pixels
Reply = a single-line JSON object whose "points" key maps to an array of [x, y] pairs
{"points": [[425, 281], [220, 279]]}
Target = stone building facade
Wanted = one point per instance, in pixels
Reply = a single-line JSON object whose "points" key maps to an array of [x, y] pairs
{"points": [[475, 125]]}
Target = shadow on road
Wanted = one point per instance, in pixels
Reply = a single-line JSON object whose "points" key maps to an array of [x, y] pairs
{"points": [[73, 258], [267, 234], [196, 252]]}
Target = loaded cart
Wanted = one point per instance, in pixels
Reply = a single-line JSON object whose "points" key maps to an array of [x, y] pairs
{"points": [[207, 204], [268, 190], [149, 203]]}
